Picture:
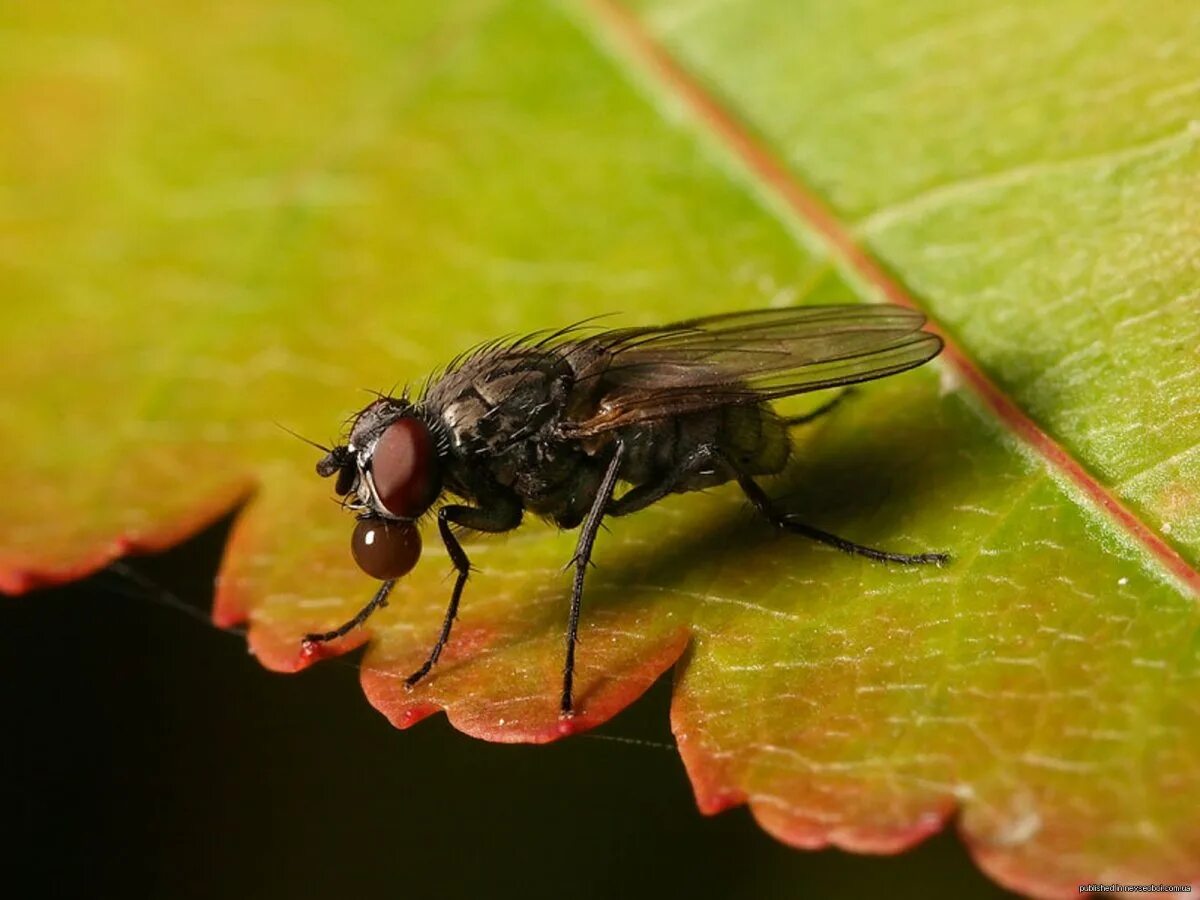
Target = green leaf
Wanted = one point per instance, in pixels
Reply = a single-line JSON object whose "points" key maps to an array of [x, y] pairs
{"points": [[232, 215]]}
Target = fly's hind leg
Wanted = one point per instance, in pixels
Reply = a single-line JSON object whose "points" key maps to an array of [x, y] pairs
{"points": [[501, 515], [788, 522], [821, 410]]}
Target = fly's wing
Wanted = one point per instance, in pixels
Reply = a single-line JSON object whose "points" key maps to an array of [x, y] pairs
{"points": [[638, 375]]}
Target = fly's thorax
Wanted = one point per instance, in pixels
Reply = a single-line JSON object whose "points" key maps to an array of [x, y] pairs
{"points": [[499, 398]]}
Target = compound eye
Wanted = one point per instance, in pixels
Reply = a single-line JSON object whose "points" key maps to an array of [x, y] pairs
{"points": [[404, 467], [385, 549]]}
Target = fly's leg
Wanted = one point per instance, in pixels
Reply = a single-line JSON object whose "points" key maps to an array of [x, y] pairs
{"points": [[766, 506], [503, 516], [819, 411], [644, 495], [377, 602], [583, 555]]}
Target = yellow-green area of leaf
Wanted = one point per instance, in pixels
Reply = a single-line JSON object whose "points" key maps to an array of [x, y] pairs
{"points": [[220, 217]]}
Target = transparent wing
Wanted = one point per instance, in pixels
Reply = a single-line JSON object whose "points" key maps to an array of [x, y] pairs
{"points": [[641, 374]]}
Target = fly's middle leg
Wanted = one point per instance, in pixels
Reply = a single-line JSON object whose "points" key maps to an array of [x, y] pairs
{"points": [[789, 522], [583, 556], [704, 457]]}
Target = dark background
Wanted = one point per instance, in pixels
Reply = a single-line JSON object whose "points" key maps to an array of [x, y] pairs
{"points": [[148, 755]]}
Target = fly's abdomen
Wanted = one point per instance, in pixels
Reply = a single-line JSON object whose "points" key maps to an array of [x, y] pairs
{"points": [[753, 439], [748, 440]]}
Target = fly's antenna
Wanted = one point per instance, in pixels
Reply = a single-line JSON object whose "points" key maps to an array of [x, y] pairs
{"points": [[301, 437]]}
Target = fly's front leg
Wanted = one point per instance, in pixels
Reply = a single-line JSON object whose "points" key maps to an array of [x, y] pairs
{"points": [[583, 555], [788, 522], [379, 601], [502, 515]]}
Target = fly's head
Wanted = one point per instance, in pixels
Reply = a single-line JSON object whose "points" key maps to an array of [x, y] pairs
{"points": [[389, 472]]}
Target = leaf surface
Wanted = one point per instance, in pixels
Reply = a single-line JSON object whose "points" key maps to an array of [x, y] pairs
{"points": [[233, 215]]}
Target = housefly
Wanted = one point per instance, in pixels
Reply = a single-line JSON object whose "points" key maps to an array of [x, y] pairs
{"points": [[552, 422]]}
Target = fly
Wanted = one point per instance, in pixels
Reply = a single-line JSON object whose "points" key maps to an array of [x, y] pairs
{"points": [[551, 423]]}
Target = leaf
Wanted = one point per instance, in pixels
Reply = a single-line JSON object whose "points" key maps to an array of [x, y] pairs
{"points": [[241, 214]]}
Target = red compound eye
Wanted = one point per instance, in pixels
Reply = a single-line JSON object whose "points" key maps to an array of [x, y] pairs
{"points": [[404, 468], [385, 549]]}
